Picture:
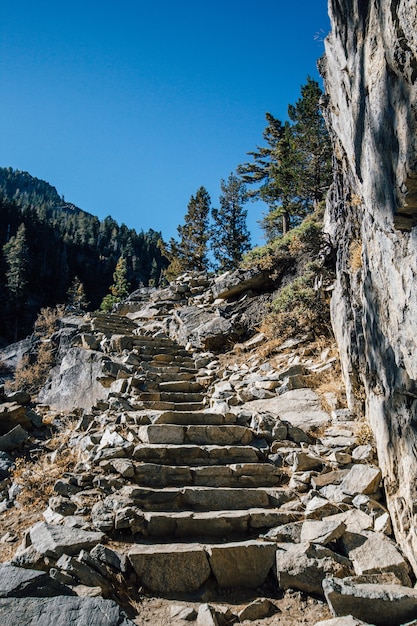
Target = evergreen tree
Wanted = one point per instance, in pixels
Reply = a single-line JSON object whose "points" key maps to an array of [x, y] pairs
{"points": [[76, 296], [292, 172], [190, 253], [120, 287], [313, 149], [16, 256], [229, 235]]}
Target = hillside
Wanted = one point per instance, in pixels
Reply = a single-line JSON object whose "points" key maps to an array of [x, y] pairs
{"points": [[63, 242]]}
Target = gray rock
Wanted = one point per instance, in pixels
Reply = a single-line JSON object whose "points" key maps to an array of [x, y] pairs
{"points": [[74, 382], [362, 479], [382, 605], [13, 439], [258, 609], [52, 541], [6, 464], [372, 552], [170, 568], [233, 284], [18, 582], [245, 564], [106, 555], [207, 616], [66, 610], [323, 532], [304, 566]]}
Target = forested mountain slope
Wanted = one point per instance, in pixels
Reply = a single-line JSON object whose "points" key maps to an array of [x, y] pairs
{"points": [[59, 241]]}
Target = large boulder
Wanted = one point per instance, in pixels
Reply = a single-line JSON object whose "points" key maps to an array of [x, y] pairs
{"points": [[74, 382], [232, 284]]}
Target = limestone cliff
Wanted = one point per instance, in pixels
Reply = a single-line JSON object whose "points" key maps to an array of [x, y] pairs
{"points": [[370, 72]]}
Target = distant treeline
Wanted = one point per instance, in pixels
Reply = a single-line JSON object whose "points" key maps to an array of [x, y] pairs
{"points": [[45, 243]]}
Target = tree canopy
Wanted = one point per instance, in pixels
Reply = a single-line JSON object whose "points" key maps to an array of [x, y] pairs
{"points": [[291, 173]]}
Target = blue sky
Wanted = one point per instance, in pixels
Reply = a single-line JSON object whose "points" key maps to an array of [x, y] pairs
{"points": [[128, 107]]}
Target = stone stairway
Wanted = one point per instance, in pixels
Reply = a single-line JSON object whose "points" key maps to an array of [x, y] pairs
{"points": [[203, 490]]}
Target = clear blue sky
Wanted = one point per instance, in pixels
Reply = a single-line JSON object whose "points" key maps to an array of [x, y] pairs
{"points": [[127, 107]]}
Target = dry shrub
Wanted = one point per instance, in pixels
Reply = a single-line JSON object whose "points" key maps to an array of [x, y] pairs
{"points": [[37, 477], [365, 436], [32, 372]]}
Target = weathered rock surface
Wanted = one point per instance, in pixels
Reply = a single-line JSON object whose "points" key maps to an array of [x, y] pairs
{"points": [[370, 78], [62, 610], [379, 604]]}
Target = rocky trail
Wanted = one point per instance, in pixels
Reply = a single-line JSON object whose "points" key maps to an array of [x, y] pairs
{"points": [[188, 485]]}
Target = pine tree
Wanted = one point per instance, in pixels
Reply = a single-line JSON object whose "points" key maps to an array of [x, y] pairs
{"points": [[292, 172], [229, 235], [120, 287], [313, 165], [77, 299], [16, 257], [190, 253]]}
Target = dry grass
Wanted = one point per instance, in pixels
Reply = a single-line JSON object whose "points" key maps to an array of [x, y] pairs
{"points": [[36, 479], [355, 255]]}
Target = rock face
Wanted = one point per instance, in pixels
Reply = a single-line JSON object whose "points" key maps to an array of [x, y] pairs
{"points": [[370, 72]]}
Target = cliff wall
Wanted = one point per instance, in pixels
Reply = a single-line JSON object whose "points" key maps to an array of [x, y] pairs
{"points": [[370, 73]]}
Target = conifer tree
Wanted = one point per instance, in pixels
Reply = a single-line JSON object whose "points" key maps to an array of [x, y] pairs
{"points": [[230, 237], [292, 172], [76, 296], [120, 287], [190, 253], [16, 256]]}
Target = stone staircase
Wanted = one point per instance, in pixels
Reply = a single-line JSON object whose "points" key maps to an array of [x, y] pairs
{"points": [[203, 490]]}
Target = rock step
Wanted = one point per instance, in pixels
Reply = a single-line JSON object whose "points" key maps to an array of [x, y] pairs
{"points": [[193, 418], [162, 376], [184, 524], [168, 370], [185, 361], [180, 386], [179, 568], [171, 406], [234, 475], [171, 396], [201, 435], [172, 351], [140, 341], [206, 498], [163, 358], [196, 455]]}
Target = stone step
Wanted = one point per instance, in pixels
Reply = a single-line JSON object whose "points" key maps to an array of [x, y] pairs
{"points": [[202, 435], [171, 406], [171, 396], [185, 524], [179, 386], [186, 361], [172, 568], [161, 351], [234, 475], [169, 370], [163, 376], [196, 455], [205, 498], [194, 418]]}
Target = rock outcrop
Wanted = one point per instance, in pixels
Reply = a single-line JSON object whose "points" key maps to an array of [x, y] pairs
{"points": [[370, 72]]}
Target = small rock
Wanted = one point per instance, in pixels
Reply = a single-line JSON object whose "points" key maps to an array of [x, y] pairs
{"points": [[258, 609]]}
